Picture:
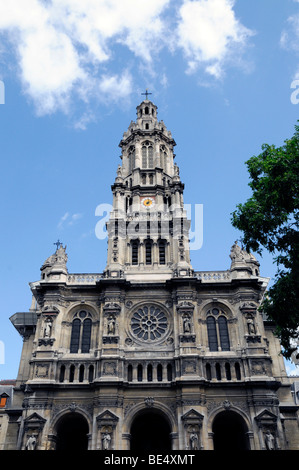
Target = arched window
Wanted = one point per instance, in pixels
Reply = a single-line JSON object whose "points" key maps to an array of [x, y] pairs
{"points": [[81, 373], [227, 371], [86, 336], [212, 334], [139, 373], [62, 373], [238, 371], [217, 330], [223, 333], [130, 373], [131, 156], [148, 252], [90, 373], [147, 153], [72, 373], [134, 252], [162, 252], [169, 372], [208, 372], [159, 372], [75, 338], [81, 332], [150, 373]]}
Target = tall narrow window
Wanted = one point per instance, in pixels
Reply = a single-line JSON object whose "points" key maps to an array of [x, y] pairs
{"points": [[131, 159], [147, 153], [62, 373], [72, 373], [130, 373], [86, 336], [139, 373], [90, 373], [227, 371], [81, 373], [223, 333], [135, 252], [162, 258], [238, 371], [212, 334], [81, 332], [75, 338], [218, 371], [150, 373], [159, 372], [169, 372], [209, 372], [148, 252]]}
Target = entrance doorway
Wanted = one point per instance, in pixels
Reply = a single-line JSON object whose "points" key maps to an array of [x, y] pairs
{"points": [[150, 432], [230, 432], [72, 430]]}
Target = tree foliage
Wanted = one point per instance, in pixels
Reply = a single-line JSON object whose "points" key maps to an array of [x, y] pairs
{"points": [[269, 219]]}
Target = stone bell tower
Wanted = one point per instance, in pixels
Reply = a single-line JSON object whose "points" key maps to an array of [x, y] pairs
{"points": [[148, 228]]}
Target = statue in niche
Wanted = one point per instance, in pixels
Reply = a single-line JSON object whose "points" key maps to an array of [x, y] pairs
{"points": [[251, 326], [111, 326], [269, 440], [194, 440], [106, 441], [47, 328], [31, 442], [186, 324]]}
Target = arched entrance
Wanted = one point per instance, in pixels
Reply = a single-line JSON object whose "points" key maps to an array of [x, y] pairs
{"points": [[230, 432], [72, 430], [150, 432]]}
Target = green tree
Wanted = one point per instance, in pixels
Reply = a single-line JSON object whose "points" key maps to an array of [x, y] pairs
{"points": [[269, 219]]}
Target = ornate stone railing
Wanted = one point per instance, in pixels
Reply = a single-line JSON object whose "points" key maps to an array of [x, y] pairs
{"points": [[88, 279], [213, 276]]}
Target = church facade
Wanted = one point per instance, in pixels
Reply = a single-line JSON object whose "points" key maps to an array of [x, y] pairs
{"points": [[150, 354]]}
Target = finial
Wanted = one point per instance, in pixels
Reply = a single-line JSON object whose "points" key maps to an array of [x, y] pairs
{"points": [[146, 94]]}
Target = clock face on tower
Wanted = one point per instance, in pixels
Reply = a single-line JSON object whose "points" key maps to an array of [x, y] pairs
{"points": [[147, 201]]}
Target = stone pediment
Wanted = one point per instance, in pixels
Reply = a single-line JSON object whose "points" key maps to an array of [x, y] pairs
{"points": [[107, 416], [192, 417], [265, 417], [34, 421]]}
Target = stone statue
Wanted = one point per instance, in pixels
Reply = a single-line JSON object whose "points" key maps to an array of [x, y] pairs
{"points": [[106, 441], [31, 442], [187, 324], [47, 328], [251, 326], [269, 441], [111, 326], [194, 440]]}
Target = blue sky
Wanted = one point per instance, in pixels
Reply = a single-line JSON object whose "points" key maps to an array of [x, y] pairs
{"points": [[221, 73]]}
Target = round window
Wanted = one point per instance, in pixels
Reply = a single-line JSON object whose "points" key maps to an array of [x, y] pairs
{"points": [[149, 323]]}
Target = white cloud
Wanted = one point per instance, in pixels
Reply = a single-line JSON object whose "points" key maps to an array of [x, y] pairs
{"points": [[210, 34], [69, 219], [61, 45], [70, 49]]}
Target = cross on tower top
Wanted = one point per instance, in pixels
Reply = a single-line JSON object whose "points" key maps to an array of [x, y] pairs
{"points": [[146, 94], [58, 244]]}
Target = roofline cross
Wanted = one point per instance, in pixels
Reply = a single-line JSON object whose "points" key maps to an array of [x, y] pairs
{"points": [[146, 94]]}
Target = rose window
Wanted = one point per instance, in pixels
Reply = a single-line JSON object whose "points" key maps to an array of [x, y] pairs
{"points": [[149, 323]]}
